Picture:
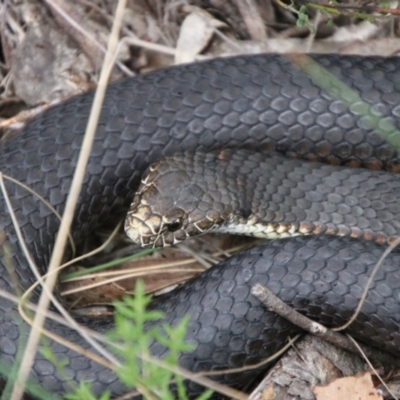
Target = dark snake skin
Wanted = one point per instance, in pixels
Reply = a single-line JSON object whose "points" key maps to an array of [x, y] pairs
{"points": [[265, 195], [249, 101]]}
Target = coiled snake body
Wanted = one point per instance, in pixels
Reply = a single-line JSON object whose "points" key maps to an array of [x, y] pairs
{"points": [[262, 102]]}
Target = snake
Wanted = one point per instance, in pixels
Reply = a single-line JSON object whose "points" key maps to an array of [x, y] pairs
{"points": [[269, 103], [267, 196]]}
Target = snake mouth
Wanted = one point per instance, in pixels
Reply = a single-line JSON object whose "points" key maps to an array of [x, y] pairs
{"points": [[163, 231], [150, 228]]}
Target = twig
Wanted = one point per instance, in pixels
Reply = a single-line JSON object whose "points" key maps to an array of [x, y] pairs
{"points": [[252, 18], [367, 9], [62, 11], [276, 305], [70, 206], [156, 47], [311, 38], [4, 43]]}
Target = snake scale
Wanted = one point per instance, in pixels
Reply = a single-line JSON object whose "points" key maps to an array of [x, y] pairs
{"points": [[255, 102]]}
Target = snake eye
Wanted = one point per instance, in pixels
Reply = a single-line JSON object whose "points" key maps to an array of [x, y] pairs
{"points": [[174, 226]]}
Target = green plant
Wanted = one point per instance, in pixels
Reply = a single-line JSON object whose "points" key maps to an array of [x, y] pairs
{"points": [[138, 369], [131, 338]]}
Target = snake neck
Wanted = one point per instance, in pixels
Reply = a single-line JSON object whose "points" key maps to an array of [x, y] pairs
{"points": [[267, 196]]}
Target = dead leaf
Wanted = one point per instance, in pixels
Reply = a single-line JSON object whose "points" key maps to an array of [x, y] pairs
{"points": [[105, 287], [268, 393], [359, 387], [195, 34]]}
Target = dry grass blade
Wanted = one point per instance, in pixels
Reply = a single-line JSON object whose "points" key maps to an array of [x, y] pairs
{"points": [[35, 271], [59, 319], [45, 202], [234, 394], [49, 314], [58, 250], [70, 322], [372, 367], [56, 270], [123, 277], [14, 220], [198, 378], [59, 339], [141, 270], [253, 366], [73, 346], [368, 285], [179, 269]]}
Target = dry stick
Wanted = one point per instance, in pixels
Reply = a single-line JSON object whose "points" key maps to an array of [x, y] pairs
{"points": [[252, 18], [156, 47], [72, 199], [276, 305], [4, 44], [75, 30], [311, 39]]}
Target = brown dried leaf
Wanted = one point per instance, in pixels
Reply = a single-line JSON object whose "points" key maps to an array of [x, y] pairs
{"points": [[102, 289], [196, 32], [359, 387]]}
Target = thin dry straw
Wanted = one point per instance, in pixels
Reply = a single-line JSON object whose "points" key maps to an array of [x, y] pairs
{"points": [[30, 349]]}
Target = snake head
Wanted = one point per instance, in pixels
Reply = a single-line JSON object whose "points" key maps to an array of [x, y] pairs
{"points": [[171, 205]]}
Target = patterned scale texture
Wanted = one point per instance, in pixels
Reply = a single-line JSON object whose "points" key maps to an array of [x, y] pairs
{"points": [[262, 102]]}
